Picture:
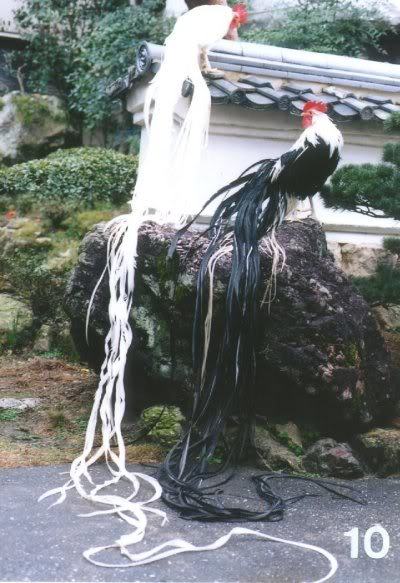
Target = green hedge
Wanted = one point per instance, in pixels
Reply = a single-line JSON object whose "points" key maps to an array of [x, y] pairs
{"points": [[79, 176]]}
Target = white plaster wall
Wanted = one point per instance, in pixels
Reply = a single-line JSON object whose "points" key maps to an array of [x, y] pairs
{"points": [[233, 147], [6, 9], [239, 137]]}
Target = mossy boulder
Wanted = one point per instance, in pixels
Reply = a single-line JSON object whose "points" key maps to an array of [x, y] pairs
{"points": [[80, 223], [272, 454], [328, 458], [15, 317], [380, 448], [31, 126], [322, 360], [165, 424]]}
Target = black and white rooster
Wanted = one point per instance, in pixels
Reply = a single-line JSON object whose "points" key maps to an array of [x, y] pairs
{"points": [[251, 208]]}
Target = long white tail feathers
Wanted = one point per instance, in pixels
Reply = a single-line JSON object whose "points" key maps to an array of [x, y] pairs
{"points": [[170, 165]]}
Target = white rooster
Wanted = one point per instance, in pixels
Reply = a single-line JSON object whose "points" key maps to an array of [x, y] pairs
{"points": [[168, 169]]}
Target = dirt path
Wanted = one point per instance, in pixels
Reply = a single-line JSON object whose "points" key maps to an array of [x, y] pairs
{"points": [[52, 432]]}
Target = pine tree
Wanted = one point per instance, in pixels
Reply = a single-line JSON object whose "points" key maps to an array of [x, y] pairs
{"points": [[373, 190], [369, 189]]}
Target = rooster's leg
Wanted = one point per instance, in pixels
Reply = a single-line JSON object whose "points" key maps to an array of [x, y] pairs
{"points": [[205, 65]]}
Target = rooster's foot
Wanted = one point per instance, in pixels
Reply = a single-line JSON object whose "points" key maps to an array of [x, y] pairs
{"points": [[212, 73]]}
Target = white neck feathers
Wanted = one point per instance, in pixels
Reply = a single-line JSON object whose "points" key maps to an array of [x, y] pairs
{"points": [[322, 128]]}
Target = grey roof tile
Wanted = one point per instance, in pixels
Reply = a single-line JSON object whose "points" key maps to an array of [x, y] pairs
{"points": [[297, 106], [325, 98], [224, 85], [342, 111], [296, 88], [283, 99], [377, 99], [217, 95], [365, 110], [257, 92], [339, 93], [258, 101], [381, 114], [245, 87], [256, 81], [390, 107]]}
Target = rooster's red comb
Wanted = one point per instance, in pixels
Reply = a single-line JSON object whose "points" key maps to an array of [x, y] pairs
{"points": [[318, 105], [241, 12]]}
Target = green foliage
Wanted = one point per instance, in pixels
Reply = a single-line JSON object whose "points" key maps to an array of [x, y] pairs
{"points": [[392, 124], [392, 244], [381, 288], [55, 214], [391, 154], [164, 424], [283, 438], [31, 109], [17, 337], [28, 273], [78, 224], [107, 53], [329, 26], [9, 414], [24, 203], [78, 47], [365, 188], [57, 417], [55, 28], [6, 203], [79, 177], [369, 189], [351, 354], [309, 436]]}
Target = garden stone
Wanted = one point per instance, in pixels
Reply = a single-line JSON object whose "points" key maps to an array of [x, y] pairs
{"points": [[31, 126], [291, 432], [19, 404], [165, 423], [328, 458], [14, 314], [272, 455], [43, 339], [322, 358], [381, 450]]}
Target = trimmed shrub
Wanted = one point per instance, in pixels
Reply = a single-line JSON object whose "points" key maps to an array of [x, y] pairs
{"points": [[392, 124], [78, 177], [392, 244], [381, 288], [364, 189]]}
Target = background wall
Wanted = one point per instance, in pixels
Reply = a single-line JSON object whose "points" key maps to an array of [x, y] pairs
{"points": [[238, 137], [6, 9]]}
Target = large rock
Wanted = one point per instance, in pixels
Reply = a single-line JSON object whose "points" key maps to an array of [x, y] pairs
{"points": [[273, 455], [31, 126], [163, 424], [321, 357], [15, 315], [380, 448], [329, 458]]}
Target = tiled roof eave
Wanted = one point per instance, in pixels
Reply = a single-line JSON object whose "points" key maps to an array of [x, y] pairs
{"points": [[253, 90]]}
